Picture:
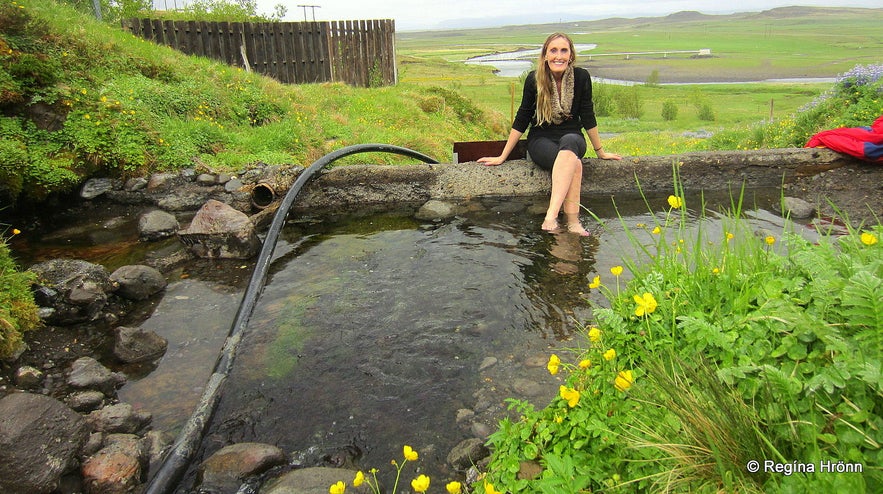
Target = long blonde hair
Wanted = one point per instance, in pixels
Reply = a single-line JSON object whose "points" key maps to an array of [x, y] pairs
{"points": [[545, 84]]}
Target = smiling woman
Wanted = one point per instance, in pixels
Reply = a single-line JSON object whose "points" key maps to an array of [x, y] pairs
{"points": [[557, 106]]}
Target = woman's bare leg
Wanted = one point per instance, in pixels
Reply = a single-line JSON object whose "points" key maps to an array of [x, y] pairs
{"points": [[572, 203], [567, 173]]}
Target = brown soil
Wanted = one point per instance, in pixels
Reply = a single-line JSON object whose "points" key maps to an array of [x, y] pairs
{"points": [[853, 192]]}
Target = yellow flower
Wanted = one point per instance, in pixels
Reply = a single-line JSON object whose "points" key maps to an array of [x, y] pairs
{"points": [[623, 380], [596, 282], [585, 364], [410, 454], [453, 488], [646, 304], [337, 488], [675, 202], [16, 231], [769, 239], [594, 334], [715, 271], [656, 231], [569, 394], [558, 419], [610, 354], [489, 489], [420, 484], [730, 236], [553, 364], [359, 480], [868, 238], [616, 270]]}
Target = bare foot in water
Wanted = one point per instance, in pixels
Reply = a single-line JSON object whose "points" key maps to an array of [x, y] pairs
{"points": [[577, 229], [551, 225]]}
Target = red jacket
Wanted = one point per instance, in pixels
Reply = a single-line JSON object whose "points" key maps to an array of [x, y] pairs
{"points": [[862, 142]]}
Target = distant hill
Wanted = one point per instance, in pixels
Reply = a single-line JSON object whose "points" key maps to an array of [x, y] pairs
{"points": [[556, 22]]}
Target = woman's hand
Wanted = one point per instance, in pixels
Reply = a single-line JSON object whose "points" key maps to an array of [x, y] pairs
{"points": [[608, 156], [491, 160]]}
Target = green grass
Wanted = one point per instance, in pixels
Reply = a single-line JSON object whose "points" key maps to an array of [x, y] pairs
{"points": [[804, 43]]}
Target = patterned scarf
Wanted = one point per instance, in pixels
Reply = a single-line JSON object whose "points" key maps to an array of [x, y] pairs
{"points": [[561, 105]]}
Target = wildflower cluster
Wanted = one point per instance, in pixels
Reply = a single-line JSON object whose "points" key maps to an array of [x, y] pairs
{"points": [[861, 75], [418, 484]]}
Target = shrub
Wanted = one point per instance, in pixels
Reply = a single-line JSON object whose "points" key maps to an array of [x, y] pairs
{"points": [[602, 98], [653, 79], [628, 102], [705, 112], [853, 101], [669, 110], [13, 159]]}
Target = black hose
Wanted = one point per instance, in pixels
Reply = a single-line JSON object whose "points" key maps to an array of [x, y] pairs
{"points": [[175, 463]]}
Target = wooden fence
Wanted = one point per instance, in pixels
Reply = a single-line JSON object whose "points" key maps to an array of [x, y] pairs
{"points": [[360, 53]]}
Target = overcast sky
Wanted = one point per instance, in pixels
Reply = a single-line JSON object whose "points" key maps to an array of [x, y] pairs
{"points": [[413, 15]]}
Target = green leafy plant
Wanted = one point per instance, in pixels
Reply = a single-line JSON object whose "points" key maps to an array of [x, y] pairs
{"points": [[781, 330], [18, 312], [669, 110]]}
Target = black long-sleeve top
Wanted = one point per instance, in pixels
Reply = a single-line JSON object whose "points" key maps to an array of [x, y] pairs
{"points": [[582, 111]]}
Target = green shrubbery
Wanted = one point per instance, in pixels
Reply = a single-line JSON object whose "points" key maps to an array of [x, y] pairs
{"points": [[855, 100], [81, 98], [725, 347], [18, 313]]}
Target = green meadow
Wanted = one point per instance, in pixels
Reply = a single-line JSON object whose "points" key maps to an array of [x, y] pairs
{"points": [[788, 43]]}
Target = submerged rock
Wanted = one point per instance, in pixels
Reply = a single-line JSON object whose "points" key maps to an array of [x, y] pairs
{"points": [[88, 373], [138, 282], [133, 345], [157, 224], [225, 470], [313, 481]]}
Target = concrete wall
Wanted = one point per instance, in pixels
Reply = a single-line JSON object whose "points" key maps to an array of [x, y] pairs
{"points": [[359, 186]]}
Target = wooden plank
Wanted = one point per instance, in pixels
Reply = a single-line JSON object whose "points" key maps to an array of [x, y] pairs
{"points": [[304, 53], [473, 150], [390, 44], [322, 51], [283, 67], [223, 40], [154, 32], [274, 68], [170, 33]]}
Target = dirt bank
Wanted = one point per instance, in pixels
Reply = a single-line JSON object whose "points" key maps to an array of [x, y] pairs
{"points": [[854, 191]]}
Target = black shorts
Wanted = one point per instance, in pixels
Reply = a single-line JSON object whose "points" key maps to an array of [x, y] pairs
{"points": [[544, 150]]}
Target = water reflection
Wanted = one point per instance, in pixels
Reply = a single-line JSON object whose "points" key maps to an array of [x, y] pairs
{"points": [[375, 339]]}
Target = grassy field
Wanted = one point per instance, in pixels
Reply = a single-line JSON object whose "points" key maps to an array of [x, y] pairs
{"points": [[777, 44]]}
